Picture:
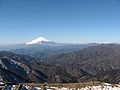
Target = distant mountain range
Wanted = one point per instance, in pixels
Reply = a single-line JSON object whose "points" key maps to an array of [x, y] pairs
{"points": [[89, 63], [43, 60], [42, 48], [42, 43]]}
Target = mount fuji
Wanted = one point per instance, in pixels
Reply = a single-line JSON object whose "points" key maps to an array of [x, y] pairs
{"points": [[41, 41]]}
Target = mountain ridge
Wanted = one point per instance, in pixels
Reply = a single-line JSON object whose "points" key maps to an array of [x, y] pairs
{"points": [[98, 63]]}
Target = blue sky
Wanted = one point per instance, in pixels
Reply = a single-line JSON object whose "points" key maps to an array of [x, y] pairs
{"points": [[59, 20]]}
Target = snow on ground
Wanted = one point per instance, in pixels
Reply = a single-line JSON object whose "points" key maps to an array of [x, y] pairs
{"points": [[106, 87], [100, 88], [86, 88], [1, 83]]}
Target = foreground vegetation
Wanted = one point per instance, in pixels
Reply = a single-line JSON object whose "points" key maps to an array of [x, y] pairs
{"points": [[71, 85], [53, 86]]}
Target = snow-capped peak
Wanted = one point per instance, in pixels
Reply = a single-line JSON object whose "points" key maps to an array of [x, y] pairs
{"points": [[38, 41]]}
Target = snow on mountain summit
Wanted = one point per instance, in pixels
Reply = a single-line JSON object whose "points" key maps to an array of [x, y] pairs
{"points": [[38, 41]]}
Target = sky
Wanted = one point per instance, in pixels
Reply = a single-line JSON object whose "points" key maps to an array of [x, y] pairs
{"points": [[60, 20]]}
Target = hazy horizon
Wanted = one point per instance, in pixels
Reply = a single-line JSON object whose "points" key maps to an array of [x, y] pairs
{"points": [[36, 41]]}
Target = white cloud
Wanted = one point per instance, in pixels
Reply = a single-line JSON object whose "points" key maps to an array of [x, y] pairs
{"points": [[104, 42]]}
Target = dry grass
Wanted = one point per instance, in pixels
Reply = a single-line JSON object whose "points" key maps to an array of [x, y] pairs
{"points": [[66, 85], [73, 86]]}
